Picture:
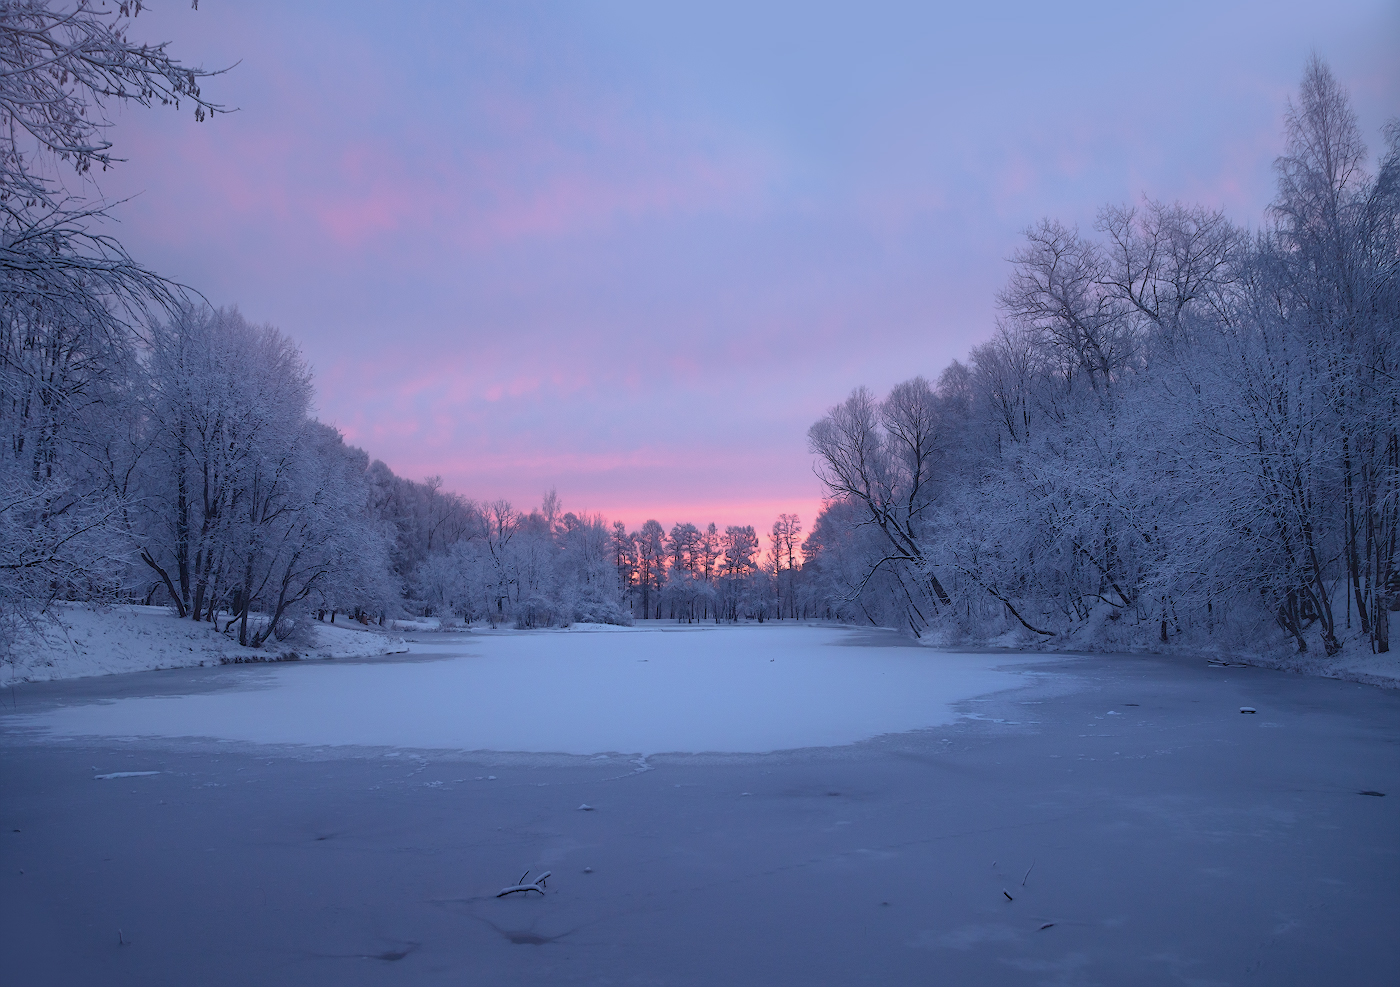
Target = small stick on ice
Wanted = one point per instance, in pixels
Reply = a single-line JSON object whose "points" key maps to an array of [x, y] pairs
{"points": [[538, 884], [1008, 897], [1028, 873]]}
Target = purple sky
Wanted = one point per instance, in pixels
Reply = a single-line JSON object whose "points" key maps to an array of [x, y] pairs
{"points": [[633, 251]]}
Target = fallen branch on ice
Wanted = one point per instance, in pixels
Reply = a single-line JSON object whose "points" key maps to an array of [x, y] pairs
{"points": [[538, 884]]}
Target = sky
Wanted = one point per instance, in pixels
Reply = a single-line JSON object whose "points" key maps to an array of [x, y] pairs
{"points": [[632, 251]]}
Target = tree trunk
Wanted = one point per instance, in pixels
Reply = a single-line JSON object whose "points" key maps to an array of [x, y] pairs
{"points": [[165, 577], [247, 605], [182, 524], [1352, 554], [1330, 644]]}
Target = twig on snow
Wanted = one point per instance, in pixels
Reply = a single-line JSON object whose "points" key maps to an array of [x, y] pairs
{"points": [[1028, 873]]}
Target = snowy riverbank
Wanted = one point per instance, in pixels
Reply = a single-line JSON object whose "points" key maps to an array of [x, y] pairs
{"points": [[1355, 662], [82, 640]]}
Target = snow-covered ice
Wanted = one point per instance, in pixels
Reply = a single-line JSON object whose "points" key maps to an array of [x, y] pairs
{"points": [[1109, 820], [646, 691]]}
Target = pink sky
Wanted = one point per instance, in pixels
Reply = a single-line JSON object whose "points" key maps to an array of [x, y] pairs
{"points": [[632, 251]]}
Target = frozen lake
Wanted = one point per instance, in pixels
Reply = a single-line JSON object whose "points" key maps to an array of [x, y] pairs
{"points": [[649, 690], [1089, 820]]}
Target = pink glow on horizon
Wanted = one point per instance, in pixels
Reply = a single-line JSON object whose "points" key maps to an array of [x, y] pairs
{"points": [[761, 514]]}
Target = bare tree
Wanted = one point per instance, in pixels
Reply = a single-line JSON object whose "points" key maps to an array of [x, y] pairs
{"points": [[1164, 259], [883, 455], [1056, 292], [61, 66]]}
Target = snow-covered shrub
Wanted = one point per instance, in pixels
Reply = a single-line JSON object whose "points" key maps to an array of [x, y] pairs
{"points": [[599, 609], [297, 632], [539, 611]]}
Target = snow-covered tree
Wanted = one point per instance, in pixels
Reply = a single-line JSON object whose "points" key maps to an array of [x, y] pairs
{"points": [[71, 298], [1177, 431]]}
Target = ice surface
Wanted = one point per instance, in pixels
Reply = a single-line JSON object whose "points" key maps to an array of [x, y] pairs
{"points": [[1174, 841], [720, 689]]}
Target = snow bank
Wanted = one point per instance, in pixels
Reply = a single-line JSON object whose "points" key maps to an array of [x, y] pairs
{"points": [[1355, 663], [83, 640], [634, 691], [415, 624]]}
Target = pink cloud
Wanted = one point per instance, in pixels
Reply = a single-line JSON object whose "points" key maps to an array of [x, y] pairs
{"points": [[1016, 177], [530, 182], [378, 198]]}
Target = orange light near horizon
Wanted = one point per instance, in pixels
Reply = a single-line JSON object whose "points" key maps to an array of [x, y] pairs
{"points": [[761, 513]]}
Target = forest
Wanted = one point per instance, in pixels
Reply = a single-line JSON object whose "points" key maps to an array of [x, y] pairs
{"points": [[1181, 430]]}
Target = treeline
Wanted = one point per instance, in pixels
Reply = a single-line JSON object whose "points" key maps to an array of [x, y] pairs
{"points": [[549, 567], [1181, 430]]}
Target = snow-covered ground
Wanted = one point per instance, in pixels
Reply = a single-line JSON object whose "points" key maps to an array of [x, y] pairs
{"points": [[647, 690], [1356, 663], [82, 640], [415, 624]]}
